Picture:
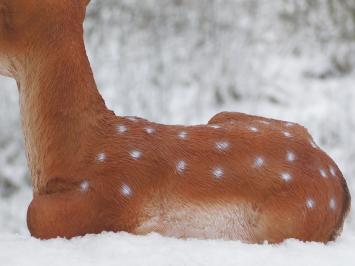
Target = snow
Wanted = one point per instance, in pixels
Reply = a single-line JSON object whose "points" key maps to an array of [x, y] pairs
{"points": [[124, 249], [183, 63]]}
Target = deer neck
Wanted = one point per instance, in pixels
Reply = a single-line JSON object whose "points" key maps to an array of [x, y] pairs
{"points": [[60, 109]]}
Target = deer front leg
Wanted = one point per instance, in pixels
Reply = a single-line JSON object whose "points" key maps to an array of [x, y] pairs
{"points": [[64, 214]]}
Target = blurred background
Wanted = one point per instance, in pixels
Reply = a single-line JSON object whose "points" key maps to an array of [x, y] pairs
{"points": [[181, 61]]}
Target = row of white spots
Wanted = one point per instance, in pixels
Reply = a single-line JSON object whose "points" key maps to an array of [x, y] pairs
{"points": [[125, 189], [255, 130], [135, 154], [310, 203], [181, 167], [324, 173], [184, 135], [122, 129], [221, 145], [217, 171]]}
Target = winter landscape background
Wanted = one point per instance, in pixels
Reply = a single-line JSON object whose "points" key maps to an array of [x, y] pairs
{"points": [[181, 61]]}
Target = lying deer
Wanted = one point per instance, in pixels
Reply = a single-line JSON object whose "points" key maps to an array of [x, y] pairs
{"points": [[239, 177]]}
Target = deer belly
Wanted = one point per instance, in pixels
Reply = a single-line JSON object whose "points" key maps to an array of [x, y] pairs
{"points": [[208, 221]]}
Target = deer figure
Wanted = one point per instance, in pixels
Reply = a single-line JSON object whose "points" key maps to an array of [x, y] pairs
{"points": [[239, 177]]}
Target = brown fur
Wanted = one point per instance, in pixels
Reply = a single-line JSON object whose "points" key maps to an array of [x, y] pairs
{"points": [[66, 125]]}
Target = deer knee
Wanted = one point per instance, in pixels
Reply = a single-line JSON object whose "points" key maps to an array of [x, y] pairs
{"points": [[34, 219], [62, 215], [46, 217]]}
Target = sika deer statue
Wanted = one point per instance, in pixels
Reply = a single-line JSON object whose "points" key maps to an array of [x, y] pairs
{"points": [[239, 177]]}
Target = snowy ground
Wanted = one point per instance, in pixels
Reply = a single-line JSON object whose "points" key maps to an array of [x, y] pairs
{"points": [[123, 249]]}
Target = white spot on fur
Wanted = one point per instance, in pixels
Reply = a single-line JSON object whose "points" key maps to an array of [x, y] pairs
{"points": [[289, 124], [135, 154], [332, 171], [215, 126], [121, 129], [286, 177], [254, 129], [183, 135], [291, 156], [180, 166], [84, 186], [287, 134], [259, 161], [149, 130], [126, 190], [310, 203], [222, 145], [218, 172], [101, 157], [332, 204], [323, 173]]}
